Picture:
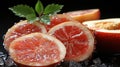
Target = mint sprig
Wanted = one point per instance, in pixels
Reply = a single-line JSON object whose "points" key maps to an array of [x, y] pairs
{"points": [[38, 14]]}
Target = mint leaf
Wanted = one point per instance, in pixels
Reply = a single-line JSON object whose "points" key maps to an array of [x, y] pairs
{"points": [[52, 9], [30, 14], [24, 11], [39, 7], [45, 19]]}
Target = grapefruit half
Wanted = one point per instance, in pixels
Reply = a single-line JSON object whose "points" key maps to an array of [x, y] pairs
{"points": [[37, 50], [21, 28], [77, 39]]}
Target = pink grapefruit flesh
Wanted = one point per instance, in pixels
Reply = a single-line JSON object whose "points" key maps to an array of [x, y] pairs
{"points": [[78, 40], [37, 49], [21, 28]]}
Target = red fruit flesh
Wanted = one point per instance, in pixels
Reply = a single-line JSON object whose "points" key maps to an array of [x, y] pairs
{"points": [[77, 39], [57, 19], [68, 41], [20, 29], [37, 50]]}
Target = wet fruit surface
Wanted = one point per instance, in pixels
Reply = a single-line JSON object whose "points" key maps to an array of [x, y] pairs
{"points": [[57, 19], [20, 29], [78, 40], [69, 37], [37, 49]]}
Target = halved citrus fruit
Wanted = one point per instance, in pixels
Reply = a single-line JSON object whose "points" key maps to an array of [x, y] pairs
{"points": [[57, 19], [84, 15], [22, 28], [107, 34], [77, 39], [37, 50]]}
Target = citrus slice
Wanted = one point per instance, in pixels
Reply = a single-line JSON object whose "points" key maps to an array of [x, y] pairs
{"points": [[37, 49], [57, 19], [84, 15], [21, 28], [77, 39]]}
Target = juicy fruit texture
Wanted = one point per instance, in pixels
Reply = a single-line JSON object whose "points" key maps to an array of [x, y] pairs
{"points": [[77, 39], [84, 15], [107, 34], [37, 49], [57, 19], [28, 48], [21, 28]]}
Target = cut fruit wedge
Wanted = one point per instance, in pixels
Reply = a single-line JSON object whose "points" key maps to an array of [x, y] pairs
{"points": [[77, 39], [22, 28], [37, 50], [84, 15], [107, 34], [57, 19]]}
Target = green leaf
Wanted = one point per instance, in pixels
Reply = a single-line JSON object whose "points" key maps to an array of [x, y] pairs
{"points": [[45, 19], [22, 10], [39, 7], [52, 9], [30, 14]]}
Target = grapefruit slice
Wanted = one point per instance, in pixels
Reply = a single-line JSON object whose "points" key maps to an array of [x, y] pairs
{"points": [[77, 39], [84, 15], [37, 50], [21, 28], [107, 34], [57, 19]]}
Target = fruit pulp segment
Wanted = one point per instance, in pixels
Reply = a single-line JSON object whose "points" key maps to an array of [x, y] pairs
{"points": [[21, 30], [27, 28], [74, 39], [56, 20], [35, 50]]}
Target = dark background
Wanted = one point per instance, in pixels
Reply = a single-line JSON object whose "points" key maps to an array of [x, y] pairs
{"points": [[109, 9]]}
